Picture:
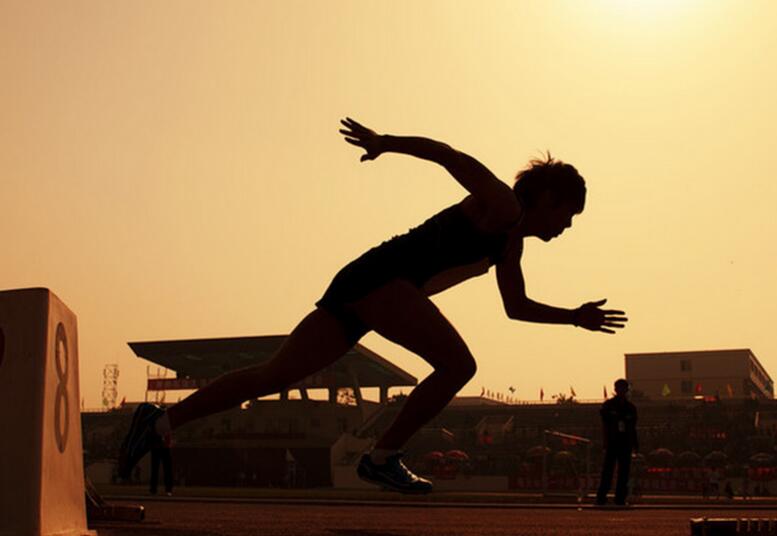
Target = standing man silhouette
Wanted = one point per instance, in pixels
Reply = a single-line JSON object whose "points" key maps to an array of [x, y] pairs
{"points": [[619, 431], [160, 455]]}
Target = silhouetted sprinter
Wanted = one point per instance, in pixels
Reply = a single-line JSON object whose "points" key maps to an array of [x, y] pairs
{"points": [[387, 290], [619, 431]]}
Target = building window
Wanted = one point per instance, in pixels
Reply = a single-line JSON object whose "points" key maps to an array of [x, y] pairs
{"points": [[686, 386], [685, 365]]}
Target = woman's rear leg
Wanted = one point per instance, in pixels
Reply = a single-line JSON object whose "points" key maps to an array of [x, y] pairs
{"points": [[318, 340], [401, 313]]}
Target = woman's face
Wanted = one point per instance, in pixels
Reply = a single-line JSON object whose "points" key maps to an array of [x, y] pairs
{"points": [[552, 218]]}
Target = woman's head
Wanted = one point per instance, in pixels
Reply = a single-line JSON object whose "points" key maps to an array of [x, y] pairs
{"points": [[560, 180], [551, 192]]}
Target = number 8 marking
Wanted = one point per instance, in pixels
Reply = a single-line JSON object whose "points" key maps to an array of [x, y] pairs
{"points": [[61, 402]]}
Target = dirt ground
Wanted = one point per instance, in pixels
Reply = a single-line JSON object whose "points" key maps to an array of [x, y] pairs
{"points": [[229, 519]]}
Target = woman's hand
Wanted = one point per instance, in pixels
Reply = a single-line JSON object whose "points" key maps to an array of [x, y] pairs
{"points": [[363, 137], [590, 317]]}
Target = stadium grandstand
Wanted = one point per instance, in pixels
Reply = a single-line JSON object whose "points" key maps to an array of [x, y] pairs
{"points": [[303, 442]]}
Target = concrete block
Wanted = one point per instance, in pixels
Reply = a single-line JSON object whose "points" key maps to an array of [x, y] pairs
{"points": [[41, 453]]}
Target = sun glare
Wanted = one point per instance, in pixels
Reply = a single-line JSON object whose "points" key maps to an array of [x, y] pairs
{"points": [[647, 9], [635, 17]]}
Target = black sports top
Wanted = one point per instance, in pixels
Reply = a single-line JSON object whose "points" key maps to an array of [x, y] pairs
{"points": [[446, 240]]}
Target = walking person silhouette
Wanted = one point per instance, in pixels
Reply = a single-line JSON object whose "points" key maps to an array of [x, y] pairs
{"points": [[387, 290]]}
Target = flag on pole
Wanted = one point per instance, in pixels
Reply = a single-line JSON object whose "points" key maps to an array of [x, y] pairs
{"points": [[666, 391], [605, 392]]}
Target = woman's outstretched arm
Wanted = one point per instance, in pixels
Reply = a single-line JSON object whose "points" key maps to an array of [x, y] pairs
{"points": [[477, 179], [519, 307]]}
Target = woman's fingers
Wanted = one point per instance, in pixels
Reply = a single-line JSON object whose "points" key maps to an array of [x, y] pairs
{"points": [[355, 123], [350, 127], [351, 124], [353, 141], [353, 138], [352, 133], [361, 136]]}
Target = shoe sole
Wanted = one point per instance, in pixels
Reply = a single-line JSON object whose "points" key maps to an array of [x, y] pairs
{"points": [[389, 487]]}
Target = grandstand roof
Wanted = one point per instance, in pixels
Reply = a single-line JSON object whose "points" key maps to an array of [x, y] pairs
{"points": [[209, 358]]}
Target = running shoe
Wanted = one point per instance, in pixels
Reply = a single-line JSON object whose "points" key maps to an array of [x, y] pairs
{"points": [[140, 439], [393, 475]]}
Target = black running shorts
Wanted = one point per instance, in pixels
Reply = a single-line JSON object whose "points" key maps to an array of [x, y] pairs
{"points": [[372, 270]]}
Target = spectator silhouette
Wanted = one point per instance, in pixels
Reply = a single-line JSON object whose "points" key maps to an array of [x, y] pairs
{"points": [[619, 431], [160, 455]]}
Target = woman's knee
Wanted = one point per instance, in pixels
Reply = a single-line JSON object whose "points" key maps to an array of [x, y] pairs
{"points": [[468, 369], [461, 369]]}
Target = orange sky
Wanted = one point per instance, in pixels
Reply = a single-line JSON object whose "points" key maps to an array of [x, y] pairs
{"points": [[173, 170]]}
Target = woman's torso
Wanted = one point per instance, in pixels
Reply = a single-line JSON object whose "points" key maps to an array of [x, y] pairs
{"points": [[453, 245]]}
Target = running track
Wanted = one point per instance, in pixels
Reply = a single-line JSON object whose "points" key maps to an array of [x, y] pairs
{"points": [[173, 518]]}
